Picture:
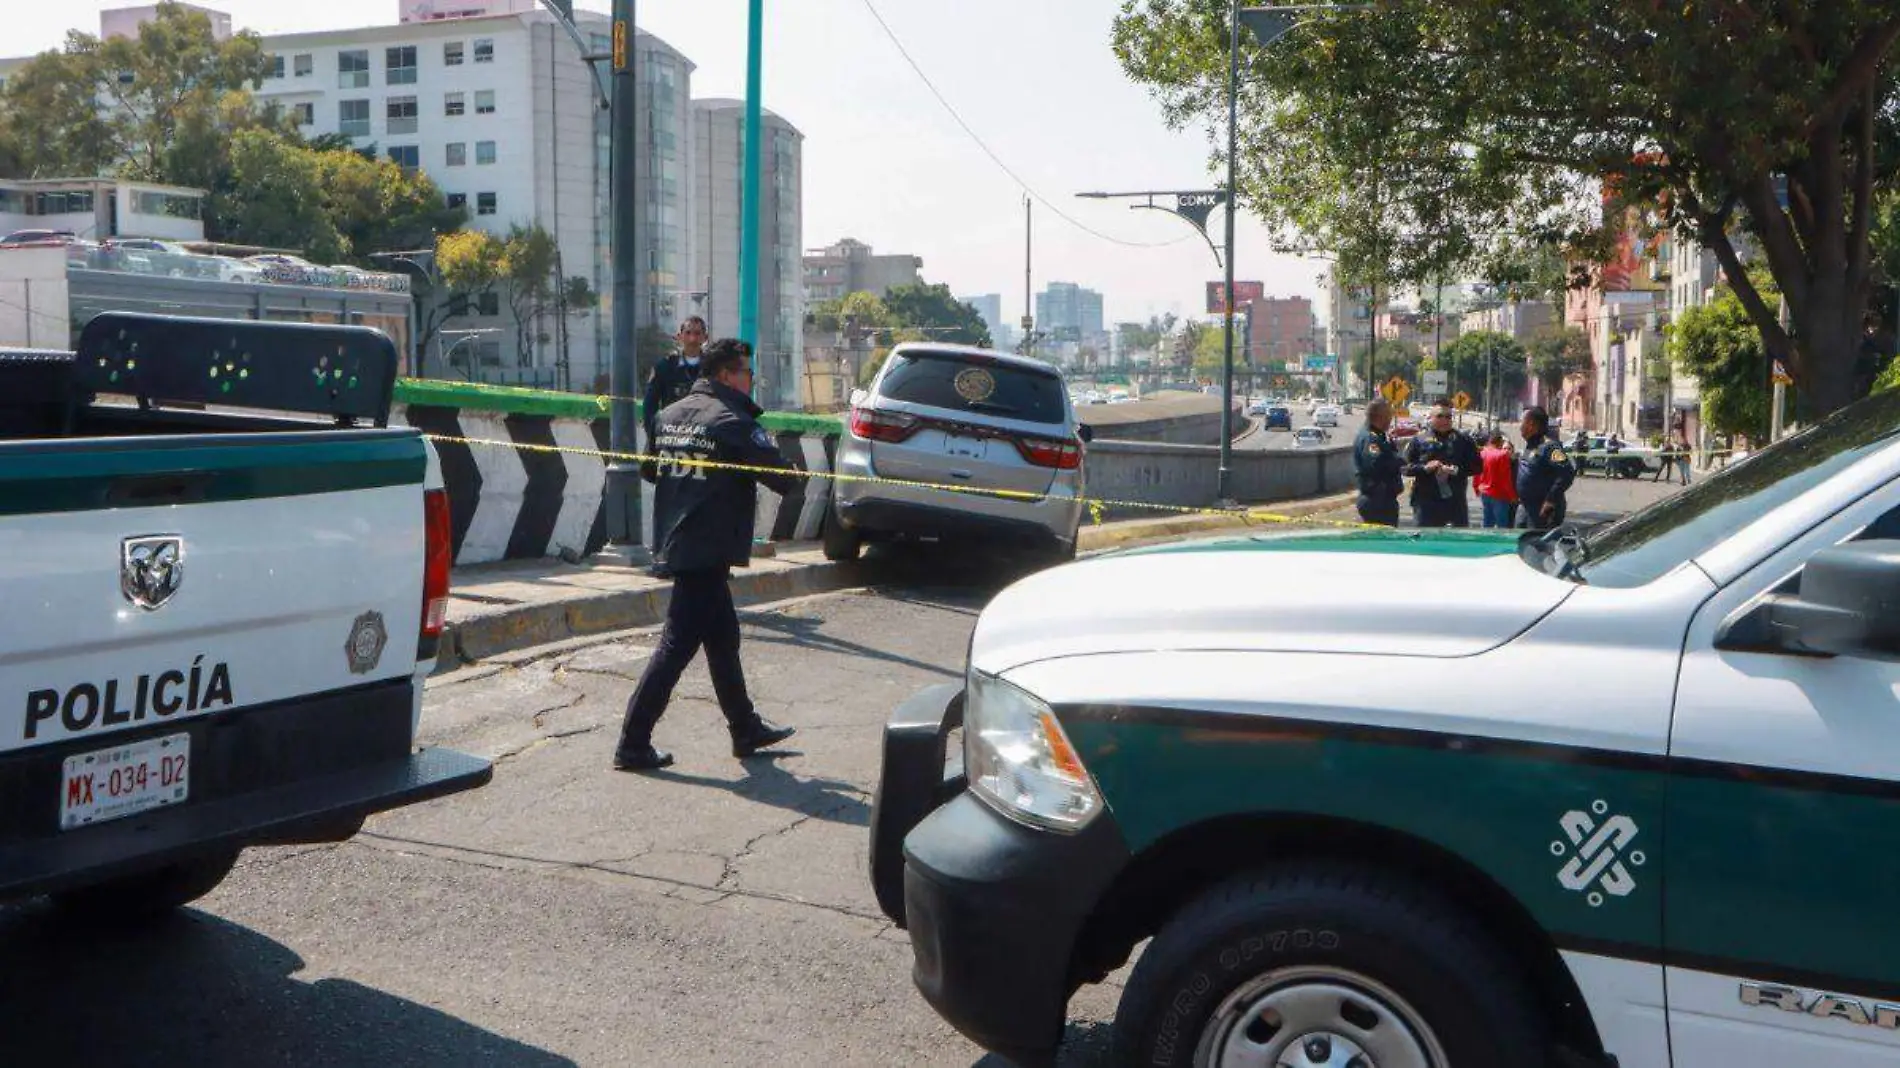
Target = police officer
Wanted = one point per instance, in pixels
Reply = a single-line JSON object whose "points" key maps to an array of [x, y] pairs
{"points": [[702, 528], [672, 379], [1441, 460], [1378, 465], [1544, 474]]}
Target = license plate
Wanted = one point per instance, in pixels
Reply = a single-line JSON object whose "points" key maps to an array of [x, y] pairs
{"points": [[971, 448], [107, 784]]}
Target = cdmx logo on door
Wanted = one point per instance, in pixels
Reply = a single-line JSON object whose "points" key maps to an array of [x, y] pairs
{"points": [[151, 568], [1595, 855]]}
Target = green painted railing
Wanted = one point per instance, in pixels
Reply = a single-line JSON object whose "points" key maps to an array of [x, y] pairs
{"points": [[512, 400]]}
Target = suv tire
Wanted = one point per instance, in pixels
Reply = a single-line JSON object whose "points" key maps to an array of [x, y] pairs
{"points": [[147, 895], [1410, 966], [842, 544]]}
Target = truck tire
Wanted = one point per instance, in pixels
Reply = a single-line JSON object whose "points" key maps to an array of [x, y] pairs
{"points": [[842, 544], [149, 894], [1318, 964]]}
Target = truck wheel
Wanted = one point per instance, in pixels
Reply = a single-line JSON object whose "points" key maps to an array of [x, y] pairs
{"points": [[842, 544], [1326, 965], [147, 895]]}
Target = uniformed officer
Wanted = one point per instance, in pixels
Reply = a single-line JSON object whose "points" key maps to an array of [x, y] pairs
{"points": [[1378, 465], [1544, 474], [1441, 460], [672, 378], [702, 528]]}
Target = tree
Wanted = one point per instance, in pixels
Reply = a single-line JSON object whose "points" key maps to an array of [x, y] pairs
{"points": [[1555, 353], [1718, 344], [1411, 139], [282, 201], [1395, 359], [940, 316], [126, 103], [379, 207], [521, 269], [1468, 358]]}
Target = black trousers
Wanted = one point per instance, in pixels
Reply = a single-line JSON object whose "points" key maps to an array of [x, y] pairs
{"points": [[700, 615], [1433, 512], [1381, 510]]}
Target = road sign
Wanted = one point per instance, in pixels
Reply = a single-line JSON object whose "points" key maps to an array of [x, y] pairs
{"points": [[1782, 377], [1437, 383], [1462, 400], [1395, 391]]}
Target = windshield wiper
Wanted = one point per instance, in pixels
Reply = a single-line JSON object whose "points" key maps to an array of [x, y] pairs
{"points": [[986, 406]]}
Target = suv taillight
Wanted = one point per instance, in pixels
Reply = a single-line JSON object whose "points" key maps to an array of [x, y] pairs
{"points": [[1049, 452], [437, 555], [874, 425]]}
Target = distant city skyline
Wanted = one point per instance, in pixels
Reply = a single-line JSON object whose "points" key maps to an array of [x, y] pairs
{"points": [[884, 162]]}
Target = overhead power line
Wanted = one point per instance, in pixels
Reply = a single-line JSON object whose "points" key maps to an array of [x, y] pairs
{"points": [[996, 159]]}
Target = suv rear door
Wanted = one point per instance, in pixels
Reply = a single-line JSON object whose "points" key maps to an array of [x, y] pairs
{"points": [[975, 419]]}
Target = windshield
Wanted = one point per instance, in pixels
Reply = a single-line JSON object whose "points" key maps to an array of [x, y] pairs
{"points": [[969, 384], [1649, 544]]}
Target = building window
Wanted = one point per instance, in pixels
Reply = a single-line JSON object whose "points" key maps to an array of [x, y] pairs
{"points": [[305, 114], [399, 65], [451, 53], [484, 152], [303, 65], [408, 157], [484, 50], [68, 203], [484, 102], [484, 203], [458, 153], [276, 67], [352, 69], [353, 118], [402, 114], [488, 303], [173, 205], [458, 200], [453, 104]]}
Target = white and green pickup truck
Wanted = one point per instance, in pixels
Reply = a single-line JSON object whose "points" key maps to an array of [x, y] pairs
{"points": [[1392, 799], [222, 578]]}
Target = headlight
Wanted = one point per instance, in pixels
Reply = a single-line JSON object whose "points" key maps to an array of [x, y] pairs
{"points": [[1018, 759]]}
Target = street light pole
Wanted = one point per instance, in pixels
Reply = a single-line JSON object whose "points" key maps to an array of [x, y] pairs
{"points": [[622, 496], [1224, 490]]}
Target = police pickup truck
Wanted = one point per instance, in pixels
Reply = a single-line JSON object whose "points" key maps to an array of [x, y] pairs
{"points": [[1626, 797], [222, 579]]}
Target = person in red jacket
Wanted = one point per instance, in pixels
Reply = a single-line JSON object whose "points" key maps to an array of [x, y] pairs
{"points": [[1497, 482]]}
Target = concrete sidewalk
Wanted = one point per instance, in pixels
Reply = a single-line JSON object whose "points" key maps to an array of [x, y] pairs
{"points": [[495, 609]]}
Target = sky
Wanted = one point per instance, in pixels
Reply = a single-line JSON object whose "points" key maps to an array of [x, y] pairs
{"points": [[885, 163]]}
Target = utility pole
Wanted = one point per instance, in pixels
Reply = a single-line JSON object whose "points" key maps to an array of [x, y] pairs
{"points": [[1029, 287], [749, 206], [622, 498], [1224, 488]]}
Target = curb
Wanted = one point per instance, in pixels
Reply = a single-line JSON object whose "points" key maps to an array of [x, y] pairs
{"points": [[585, 614]]}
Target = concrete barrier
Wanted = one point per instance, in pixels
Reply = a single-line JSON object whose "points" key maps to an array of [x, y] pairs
{"points": [[1172, 416], [1188, 475]]}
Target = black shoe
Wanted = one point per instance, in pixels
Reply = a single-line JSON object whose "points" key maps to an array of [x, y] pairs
{"points": [[648, 759], [764, 736]]}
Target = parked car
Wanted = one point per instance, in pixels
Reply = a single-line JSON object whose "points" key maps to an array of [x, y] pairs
{"points": [[1310, 437], [168, 258], [950, 415], [235, 270], [37, 237], [1279, 417]]}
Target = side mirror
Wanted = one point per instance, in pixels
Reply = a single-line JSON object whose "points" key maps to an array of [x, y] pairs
{"points": [[1849, 605], [858, 397], [1085, 432]]}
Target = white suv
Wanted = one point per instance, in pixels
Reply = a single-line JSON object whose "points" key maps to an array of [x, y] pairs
{"points": [[969, 420]]}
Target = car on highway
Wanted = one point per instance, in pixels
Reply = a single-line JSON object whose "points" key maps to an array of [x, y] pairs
{"points": [[1279, 417], [149, 255], [20, 238], [1310, 437], [968, 420], [1341, 867], [1403, 426], [1326, 415], [1258, 407]]}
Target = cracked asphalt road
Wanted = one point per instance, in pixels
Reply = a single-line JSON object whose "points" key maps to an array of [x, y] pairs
{"points": [[717, 913]]}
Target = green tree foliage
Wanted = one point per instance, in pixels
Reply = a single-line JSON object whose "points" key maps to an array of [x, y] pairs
{"points": [[127, 104], [1467, 358], [1400, 359], [1412, 137], [522, 269], [1555, 352], [334, 205], [1718, 344], [938, 315]]}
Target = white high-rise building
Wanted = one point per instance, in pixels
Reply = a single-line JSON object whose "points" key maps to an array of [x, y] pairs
{"points": [[717, 197]]}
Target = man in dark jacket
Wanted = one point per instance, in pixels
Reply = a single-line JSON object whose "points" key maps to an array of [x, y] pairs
{"points": [[672, 379], [1441, 460], [702, 528], [1377, 464], [1544, 475]]}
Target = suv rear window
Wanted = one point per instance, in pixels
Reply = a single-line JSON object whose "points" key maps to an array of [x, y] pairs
{"points": [[962, 384]]}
